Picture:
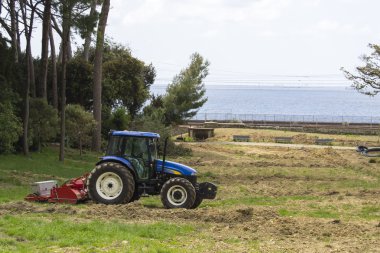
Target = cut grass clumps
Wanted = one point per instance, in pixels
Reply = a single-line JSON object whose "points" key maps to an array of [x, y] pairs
{"points": [[309, 213], [372, 160], [259, 201], [36, 234]]}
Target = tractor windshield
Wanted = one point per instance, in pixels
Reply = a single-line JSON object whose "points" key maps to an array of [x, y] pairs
{"points": [[115, 144], [140, 151]]}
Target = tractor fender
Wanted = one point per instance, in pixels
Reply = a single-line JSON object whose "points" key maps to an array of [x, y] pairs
{"points": [[120, 160]]}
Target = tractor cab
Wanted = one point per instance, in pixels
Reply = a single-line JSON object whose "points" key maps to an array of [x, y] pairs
{"points": [[138, 148], [138, 151]]}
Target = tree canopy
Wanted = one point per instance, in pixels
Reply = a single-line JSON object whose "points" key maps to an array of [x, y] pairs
{"points": [[367, 77], [186, 94]]}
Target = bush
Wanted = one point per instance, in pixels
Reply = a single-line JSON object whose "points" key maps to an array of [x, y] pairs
{"points": [[188, 139], [10, 128], [43, 122], [79, 125]]}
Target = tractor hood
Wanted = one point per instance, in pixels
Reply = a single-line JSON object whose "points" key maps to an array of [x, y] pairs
{"points": [[175, 168]]}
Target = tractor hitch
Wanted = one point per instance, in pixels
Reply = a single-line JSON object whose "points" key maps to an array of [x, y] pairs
{"points": [[73, 191]]}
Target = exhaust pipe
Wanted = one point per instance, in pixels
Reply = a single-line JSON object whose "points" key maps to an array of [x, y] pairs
{"points": [[164, 155]]}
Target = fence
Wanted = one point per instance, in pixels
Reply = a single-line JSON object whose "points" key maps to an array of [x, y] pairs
{"points": [[286, 118]]}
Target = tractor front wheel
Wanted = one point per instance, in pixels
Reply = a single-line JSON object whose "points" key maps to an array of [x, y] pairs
{"points": [[110, 183], [178, 193]]}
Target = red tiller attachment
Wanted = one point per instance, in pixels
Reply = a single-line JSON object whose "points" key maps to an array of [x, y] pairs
{"points": [[73, 191]]}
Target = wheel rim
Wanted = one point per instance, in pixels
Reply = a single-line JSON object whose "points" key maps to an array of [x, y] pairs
{"points": [[109, 185], [177, 195]]}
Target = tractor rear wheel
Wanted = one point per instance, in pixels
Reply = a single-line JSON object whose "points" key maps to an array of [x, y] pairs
{"points": [[110, 183], [197, 202], [178, 193], [136, 196]]}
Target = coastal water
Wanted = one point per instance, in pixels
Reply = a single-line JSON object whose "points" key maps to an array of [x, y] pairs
{"points": [[264, 100]]}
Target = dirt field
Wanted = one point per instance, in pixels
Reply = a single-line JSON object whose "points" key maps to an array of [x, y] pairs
{"points": [[270, 199]]}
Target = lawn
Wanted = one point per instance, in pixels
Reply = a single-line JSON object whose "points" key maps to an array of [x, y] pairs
{"points": [[270, 199]]}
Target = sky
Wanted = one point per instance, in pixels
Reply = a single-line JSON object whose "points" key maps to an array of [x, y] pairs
{"points": [[257, 42], [249, 41]]}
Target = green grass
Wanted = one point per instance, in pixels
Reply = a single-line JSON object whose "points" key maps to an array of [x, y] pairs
{"points": [[17, 171], [47, 163], [370, 212], [319, 213], [38, 234], [151, 201]]}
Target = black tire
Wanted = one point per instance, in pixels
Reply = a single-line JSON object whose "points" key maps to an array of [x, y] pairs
{"points": [[136, 196], [197, 202], [113, 174], [178, 193]]}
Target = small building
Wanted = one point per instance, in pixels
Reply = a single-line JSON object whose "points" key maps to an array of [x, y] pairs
{"points": [[198, 133]]}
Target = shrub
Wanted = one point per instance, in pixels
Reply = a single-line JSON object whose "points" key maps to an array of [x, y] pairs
{"points": [[79, 125], [10, 128], [43, 122]]}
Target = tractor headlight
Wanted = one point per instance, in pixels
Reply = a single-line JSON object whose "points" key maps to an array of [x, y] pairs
{"points": [[194, 173]]}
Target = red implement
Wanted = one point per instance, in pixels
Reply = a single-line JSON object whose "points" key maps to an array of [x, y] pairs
{"points": [[73, 191]]}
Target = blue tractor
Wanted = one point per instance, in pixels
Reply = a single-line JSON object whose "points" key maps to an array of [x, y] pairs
{"points": [[131, 169]]}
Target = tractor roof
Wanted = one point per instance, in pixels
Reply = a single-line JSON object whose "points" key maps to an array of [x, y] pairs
{"points": [[135, 134]]}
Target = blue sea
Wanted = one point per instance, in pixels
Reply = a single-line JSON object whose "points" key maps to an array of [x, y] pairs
{"points": [[245, 101]]}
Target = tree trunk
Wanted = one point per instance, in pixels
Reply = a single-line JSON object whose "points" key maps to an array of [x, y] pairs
{"points": [[97, 88], [14, 29], [25, 119], [30, 75], [68, 51], [87, 41], [39, 141], [65, 42], [18, 38], [54, 69], [45, 50], [80, 145]]}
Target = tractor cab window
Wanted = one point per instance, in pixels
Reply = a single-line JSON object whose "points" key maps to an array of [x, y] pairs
{"points": [[115, 146], [136, 151]]}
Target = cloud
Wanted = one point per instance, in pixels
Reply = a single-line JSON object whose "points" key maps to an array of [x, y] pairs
{"points": [[328, 26], [213, 12]]}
